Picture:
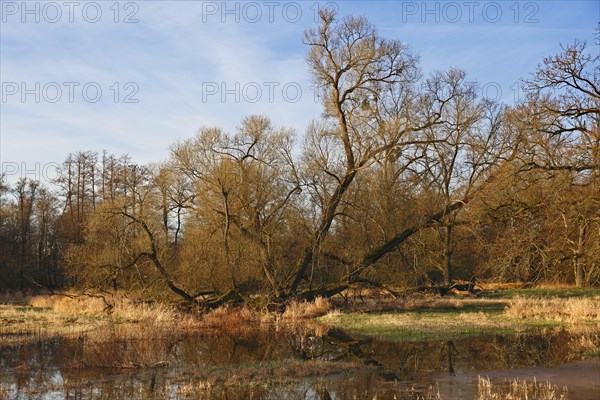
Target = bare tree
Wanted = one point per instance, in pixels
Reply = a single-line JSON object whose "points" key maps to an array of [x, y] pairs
{"points": [[244, 185], [376, 113], [559, 128], [367, 85]]}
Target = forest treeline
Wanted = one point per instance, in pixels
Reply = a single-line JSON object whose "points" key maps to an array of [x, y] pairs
{"points": [[405, 180]]}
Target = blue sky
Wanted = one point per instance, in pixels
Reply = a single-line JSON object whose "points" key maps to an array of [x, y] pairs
{"points": [[166, 68]]}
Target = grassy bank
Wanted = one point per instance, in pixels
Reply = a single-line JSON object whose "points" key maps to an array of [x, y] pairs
{"points": [[417, 326], [69, 313], [410, 318], [72, 313], [478, 317]]}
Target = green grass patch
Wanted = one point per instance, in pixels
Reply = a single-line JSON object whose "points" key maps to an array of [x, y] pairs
{"points": [[543, 292], [431, 325]]}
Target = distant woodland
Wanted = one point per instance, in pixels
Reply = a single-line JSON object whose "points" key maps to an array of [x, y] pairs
{"points": [[406, 180]]}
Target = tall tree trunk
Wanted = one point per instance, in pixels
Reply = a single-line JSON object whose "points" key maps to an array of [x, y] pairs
{"points": [[40, 262], [448, 255], [578, 255], [226, 239], [319, 236], [22, 267]]}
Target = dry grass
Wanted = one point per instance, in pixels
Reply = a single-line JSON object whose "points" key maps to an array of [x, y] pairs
{"points": [[229, 318], [68, 315], [239, 320], [554, 285], [18, 322], [585, 339], [520, 390], [414, 302], [569, 310], [501, 286], [117, 309], [515, 390], [298, 310], [233, 319], [76, 313]]}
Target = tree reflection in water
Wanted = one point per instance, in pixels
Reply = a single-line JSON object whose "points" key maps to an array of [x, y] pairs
{"points": [[262, 362]]}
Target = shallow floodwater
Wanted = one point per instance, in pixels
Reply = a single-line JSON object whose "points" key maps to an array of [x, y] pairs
{"points": [[287, 362]]}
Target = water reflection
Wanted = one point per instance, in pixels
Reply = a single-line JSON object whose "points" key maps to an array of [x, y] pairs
{"points": [[262, 363]]}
